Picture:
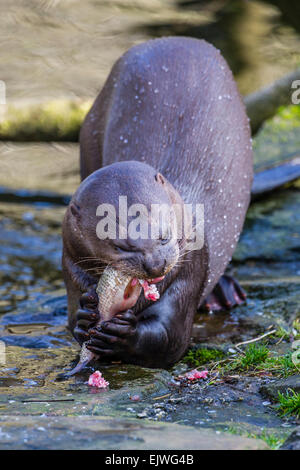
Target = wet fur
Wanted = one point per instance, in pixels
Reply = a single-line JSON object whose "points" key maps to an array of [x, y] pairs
{"points": [[175, 102]]}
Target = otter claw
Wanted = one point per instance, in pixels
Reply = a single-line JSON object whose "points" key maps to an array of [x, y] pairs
{"points": [[225, 295]]}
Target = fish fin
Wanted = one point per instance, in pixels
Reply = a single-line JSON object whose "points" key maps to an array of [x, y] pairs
{"points": [[75, 370]]}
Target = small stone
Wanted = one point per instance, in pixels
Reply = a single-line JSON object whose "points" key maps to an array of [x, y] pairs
{"points": [[135, 398]]}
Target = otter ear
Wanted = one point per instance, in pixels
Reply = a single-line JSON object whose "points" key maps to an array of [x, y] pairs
{"points": [[169, 188], [159, 178], [75, 209]]}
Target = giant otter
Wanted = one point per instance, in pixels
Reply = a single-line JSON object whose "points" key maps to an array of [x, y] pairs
{"points": [[168, 126]]}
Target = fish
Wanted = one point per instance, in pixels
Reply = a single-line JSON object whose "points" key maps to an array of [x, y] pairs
{"points": [[116, 292]]}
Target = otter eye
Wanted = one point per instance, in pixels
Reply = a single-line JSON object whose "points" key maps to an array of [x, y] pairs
{"points": [[120, 249]]}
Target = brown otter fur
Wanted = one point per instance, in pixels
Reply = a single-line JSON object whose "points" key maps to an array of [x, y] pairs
{"points": [[171, 104]]}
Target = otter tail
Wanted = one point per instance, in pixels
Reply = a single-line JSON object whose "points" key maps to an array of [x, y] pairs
{"points": [[272, 178]]}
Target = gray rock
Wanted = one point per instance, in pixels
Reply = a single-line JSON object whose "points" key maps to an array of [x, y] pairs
{"points": [[293, 441], [282, 385], [93, 432]]}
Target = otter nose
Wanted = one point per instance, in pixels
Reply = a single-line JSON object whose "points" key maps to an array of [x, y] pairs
{"points": [[154, 269]]}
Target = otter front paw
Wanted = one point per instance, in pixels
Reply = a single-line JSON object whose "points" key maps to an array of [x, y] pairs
{"points": [[116, 337], [86, 316]]}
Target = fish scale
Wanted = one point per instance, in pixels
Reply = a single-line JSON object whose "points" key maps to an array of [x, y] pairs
{"points": [[109, 287], [110, 284]]}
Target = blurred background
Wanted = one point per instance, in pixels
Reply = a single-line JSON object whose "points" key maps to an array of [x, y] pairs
{"points": [[54, 49]]}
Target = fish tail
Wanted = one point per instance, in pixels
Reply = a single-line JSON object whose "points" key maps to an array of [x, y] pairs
{"points": [[76, 369]]}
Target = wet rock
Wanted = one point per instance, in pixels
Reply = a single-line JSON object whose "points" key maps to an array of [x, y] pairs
{"points": [[293, 441], [271, 389], [220, 407], [47, 169], [80, 432]]}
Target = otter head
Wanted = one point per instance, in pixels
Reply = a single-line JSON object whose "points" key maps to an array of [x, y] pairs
{"points": [[125, 215]]}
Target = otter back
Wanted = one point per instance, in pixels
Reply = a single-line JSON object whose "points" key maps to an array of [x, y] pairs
{"points": [[173, 103]]}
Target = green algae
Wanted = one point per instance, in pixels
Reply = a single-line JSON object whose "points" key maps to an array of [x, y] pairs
{"points": [[278, 140], [57, 120], [197, 357], [258, 360], [254, 355], [289, 403], [273, 439]]}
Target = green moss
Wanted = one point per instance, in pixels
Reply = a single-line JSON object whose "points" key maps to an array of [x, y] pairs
{"points": [[198, 357], [278, 140], [258, 359], [282, 365], [253, 356], [288, 116], [289, 403], [272, 440], [282, 333], [58, 120], [285, 334], [296, 328]]}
